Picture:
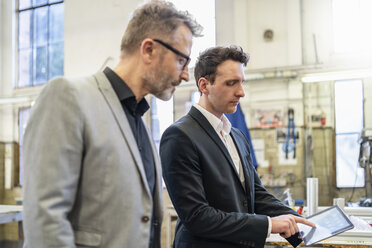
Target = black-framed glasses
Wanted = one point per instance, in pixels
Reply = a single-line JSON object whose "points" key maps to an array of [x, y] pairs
{"points": [[175, 51]]}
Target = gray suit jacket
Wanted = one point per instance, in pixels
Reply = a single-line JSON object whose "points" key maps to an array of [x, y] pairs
{"points": [[85, 184]]}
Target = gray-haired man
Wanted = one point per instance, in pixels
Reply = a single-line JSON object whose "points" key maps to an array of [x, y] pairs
{"points": [[92, 176]]}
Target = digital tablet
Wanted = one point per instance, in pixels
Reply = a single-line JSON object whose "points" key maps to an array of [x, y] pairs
{"points": [[329, 222]]}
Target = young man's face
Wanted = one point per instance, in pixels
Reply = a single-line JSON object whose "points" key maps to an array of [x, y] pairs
{"points": [[172, 68], [224, 94]]}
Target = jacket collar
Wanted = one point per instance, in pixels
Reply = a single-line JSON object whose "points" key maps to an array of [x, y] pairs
{"points": [[121, 119], [204, 123]]}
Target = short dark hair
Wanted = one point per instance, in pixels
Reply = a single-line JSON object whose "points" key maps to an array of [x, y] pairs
{"points": [[208, 61], [156, 19]]}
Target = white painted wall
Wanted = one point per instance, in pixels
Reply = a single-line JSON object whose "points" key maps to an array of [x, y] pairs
{"points": [[303, 33], [243, 22], [283, 18], [317, 28], [6, 69], [225, 28], [93, 31], [7, 47]]}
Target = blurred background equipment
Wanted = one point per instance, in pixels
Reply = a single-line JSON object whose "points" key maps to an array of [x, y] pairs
{"points": [[365, 160], [290, 133], [237, 120], [312, 195]]}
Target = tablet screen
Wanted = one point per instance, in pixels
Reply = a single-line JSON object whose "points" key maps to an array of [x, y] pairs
{"points": [[328, 222]]}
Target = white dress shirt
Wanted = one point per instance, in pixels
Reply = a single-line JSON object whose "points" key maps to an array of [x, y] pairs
{"points": [[223, 127]]}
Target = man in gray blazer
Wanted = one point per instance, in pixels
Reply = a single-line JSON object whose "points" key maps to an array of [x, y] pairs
{"points": [[92, 174]]}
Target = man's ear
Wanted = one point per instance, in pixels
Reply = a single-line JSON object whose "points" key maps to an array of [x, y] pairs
{"points": [[147, 50], [203, 85]]}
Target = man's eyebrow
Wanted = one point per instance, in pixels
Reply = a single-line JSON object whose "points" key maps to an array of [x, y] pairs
{"points": [[235, 80]]}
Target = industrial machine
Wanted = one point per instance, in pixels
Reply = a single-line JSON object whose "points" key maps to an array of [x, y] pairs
{"points": [[365, 161]]}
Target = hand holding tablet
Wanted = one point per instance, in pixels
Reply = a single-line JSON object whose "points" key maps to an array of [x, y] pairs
{"points": [[329, 222]]}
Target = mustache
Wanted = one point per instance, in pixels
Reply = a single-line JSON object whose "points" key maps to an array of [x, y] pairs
{"points": [[176, 83]]}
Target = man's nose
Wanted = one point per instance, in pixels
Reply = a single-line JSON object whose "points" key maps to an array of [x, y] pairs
{"points": [[240, 92], [185, 74]]}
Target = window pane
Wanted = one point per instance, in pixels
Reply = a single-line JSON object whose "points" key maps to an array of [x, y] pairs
{"points": [[56, 23], [56, 59], [155, 125], [36, 3], [349, 106], [161, 117], [348, 171], [41, 26], [25, 29], [40, 65], [40, 41], [204, 13], [24, 4], [25, 67]]}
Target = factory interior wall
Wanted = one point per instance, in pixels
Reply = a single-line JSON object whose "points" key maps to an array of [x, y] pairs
{"points": [[92, 41]]}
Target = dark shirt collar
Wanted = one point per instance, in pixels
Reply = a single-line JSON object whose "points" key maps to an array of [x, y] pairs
{"points": [[125, 94]]}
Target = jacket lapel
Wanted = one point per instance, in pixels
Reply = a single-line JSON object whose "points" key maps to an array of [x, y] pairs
{"points": [[158, 175], [114, 104], [204, 123], [240, 148]]}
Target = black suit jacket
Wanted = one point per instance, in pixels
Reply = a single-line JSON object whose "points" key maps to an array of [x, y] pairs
{"points": [[214, 208]]}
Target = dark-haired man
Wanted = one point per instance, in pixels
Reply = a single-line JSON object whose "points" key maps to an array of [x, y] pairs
{"points": [[208, 169]]}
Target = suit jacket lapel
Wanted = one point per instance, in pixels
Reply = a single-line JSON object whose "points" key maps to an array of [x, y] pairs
{"points": [[112, 100], [239, 146], [204, 123], [158, 176]]}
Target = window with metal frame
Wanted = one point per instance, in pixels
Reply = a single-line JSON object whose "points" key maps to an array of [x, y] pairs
{"points": [[40, 41]]}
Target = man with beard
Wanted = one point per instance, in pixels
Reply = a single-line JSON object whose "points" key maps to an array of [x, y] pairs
{"points": [[92, 176]]}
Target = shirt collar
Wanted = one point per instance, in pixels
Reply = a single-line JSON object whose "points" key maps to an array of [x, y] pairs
{"points": [[121, 89], [125, 94], [218, 124]]}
